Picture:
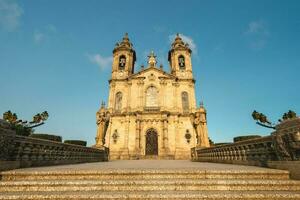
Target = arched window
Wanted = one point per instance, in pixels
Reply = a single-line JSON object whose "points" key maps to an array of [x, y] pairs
{"points": [[181, 62], [151, 97], [185, 101], [118, 102], [122, 62]]}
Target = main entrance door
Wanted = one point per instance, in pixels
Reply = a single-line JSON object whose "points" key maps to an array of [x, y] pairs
{"points": [[151, 142]]}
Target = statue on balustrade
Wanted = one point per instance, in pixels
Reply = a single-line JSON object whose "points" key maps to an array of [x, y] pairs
{"points": [[200, 125], [287, 145], [102, 117]]}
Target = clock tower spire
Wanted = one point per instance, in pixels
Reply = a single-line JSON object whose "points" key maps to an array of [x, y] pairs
{"points": [[179, 58], [124, 58]]}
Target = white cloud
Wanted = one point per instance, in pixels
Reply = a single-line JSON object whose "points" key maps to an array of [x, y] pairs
{"points": [[38, 37], [186, 39], [258, 28], [10, 13], [257, 33], [258, 44], [51, 28], [218, 48], [101, 61], [159, 29], [43, 34]]}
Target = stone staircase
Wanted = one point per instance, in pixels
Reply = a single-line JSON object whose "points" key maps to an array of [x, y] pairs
{"points": [[148, 184]]}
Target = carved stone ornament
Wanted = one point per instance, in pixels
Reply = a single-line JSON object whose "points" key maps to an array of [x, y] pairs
{"points": [[280, 147], [188, 136], [151, 77]]}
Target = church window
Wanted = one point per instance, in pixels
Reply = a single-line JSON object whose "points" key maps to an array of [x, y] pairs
{"points": [[185, 101], [181, 62], [122, 62], [151, 97], [118, 102]]}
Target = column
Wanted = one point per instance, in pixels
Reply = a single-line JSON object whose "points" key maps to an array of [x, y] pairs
{"points": [[125, 150], [137, 135], [141, 95], [175, 97], [129, 84], [163, 83], [165, 135], [111, 96]]}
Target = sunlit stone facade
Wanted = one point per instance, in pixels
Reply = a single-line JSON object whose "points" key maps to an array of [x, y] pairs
{"points": [[151, 113]]}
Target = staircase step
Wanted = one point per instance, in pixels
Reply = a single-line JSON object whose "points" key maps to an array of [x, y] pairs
{"points": [[143, 174], [147, 180], [150, 185], [201, 195]]}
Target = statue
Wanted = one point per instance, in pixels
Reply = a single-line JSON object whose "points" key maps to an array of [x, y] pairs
{"points": [[280, 147], [287, 145], [152, 59], [199, 122], [102, 122]]}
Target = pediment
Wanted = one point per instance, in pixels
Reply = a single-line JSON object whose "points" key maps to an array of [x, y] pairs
{"points": [[152, 72]]}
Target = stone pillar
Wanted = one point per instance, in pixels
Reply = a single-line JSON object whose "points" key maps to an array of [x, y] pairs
{"points": [[137, 135], [163, 84], [177, 137], [129, 84], [175, 96], [125, 150], [127, 121], [140, 94], [165, 135], [111, 101]]}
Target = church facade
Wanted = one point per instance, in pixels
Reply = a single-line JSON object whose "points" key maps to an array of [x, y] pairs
{"points": [[151, 113]]}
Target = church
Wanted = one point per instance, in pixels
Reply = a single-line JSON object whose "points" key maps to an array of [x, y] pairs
{"points": [[151, 113]]}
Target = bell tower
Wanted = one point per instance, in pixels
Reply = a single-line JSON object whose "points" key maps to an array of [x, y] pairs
{"points": [[124, 58], [179, 58]]}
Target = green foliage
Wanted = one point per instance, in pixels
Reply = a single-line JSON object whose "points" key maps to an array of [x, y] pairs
{"points": [[263, 120], [39, 117], [23, 127], [22, 130], [289, 115], [260, 117], [55, 138], [76, 142], [211, 142], [245, 137], [10, 117]]}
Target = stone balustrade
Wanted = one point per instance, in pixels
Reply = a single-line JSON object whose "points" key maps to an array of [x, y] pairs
{"points": [[281, 145], [255, 150], [19, 151]]}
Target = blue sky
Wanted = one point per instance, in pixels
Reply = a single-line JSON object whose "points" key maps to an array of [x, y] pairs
{"points": [[56, 56]]}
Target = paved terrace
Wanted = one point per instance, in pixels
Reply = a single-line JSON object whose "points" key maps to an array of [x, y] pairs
{"points": [[147, 165]]}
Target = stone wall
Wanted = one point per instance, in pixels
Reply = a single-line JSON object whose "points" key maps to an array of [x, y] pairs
{"points": [[279, 150], [19, 151]]}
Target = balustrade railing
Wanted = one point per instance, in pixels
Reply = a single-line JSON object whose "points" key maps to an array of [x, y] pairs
{"points": [[283, 144], [27, 151]]}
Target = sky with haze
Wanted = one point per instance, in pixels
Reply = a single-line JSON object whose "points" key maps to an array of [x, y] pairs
{"points": [[56, 56]]}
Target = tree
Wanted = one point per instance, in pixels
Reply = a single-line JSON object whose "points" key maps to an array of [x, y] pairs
{"points": [[39, 119], [25, 128], [262, 119]]}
